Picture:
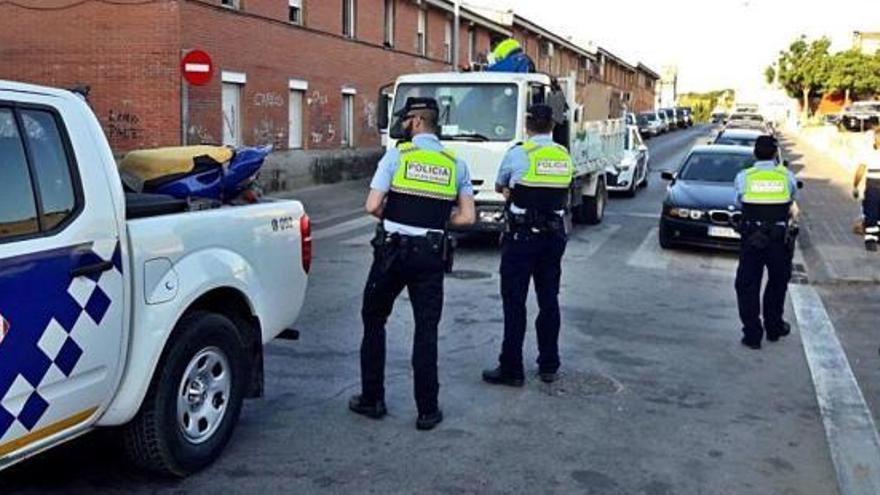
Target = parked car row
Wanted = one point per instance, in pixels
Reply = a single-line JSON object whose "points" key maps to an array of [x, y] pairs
{"points": [[858, 117], [661, 121]]}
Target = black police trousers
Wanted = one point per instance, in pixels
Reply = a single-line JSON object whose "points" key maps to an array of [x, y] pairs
{"points": [[871, 210], [526, 256], [419, 268], [775, 255]]}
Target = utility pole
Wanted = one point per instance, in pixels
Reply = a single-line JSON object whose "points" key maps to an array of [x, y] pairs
{"points": [[456, 28]]}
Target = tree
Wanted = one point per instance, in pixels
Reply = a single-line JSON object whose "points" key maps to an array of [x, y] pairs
{"points": [[851, 71], [803, 68], [770, 74]]}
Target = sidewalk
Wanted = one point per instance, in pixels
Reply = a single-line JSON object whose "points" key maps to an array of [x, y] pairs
{"points": [[835, 254]]}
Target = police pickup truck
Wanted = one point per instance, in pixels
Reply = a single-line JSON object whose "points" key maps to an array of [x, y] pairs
{"points": [[115, 316]]}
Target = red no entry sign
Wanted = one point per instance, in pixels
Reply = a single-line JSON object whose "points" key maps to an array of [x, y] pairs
{"points": [[197, 68]]}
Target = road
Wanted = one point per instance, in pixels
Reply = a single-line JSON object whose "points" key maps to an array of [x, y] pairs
{"points": [[657, 395]]}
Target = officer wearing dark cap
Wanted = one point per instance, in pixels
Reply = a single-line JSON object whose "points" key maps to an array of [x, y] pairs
{"points": [[418, 189], [766, 192], [535, 176]]}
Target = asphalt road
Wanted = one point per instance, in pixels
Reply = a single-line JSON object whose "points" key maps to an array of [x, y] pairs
{"points": [[657, 395]]}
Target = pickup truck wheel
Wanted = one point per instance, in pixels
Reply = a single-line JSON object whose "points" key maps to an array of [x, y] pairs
{"points": [[194, 400], [593, 207]]}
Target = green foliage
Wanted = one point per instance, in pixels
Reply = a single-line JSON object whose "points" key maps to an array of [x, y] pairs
{"points": [[770, 74], [703, 104], [804, 67], [853, 73]]}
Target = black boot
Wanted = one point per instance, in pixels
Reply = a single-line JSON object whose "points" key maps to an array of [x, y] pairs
{"points": [[750, 344], [375, 410], [429, 421], [548, 376], [499, 377], [871, 246], [782, 332]]}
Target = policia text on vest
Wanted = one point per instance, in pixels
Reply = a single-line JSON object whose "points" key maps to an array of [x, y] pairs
{"points": [[418, 189]]}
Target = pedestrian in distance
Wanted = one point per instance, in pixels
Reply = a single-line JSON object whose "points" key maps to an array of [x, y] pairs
{"points": [[535, 177], [868, 172], [766, 192], [419, 188]]}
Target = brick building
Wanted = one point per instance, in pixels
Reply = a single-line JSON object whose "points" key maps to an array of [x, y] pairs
{"points": [[302, 75]]}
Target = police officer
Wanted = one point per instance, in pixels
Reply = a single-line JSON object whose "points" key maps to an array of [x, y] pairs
{"points": [[535, 176], [766, 192], [869, 171], [415, 188], [509, 56]]}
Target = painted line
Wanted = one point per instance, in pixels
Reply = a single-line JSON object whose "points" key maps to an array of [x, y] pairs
{"points": [[651, 216], [594, 238], [36, 436], [849, 426], [343, 228], [649, 253]]}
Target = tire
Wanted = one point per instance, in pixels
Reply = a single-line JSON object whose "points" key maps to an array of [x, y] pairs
{"points": [[593, 207], [644, 183], [155, 439], [664, 238], [633, 186]]}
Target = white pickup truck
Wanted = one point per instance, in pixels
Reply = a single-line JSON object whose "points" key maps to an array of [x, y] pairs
{"points": [[483, 115], [115, 314]]}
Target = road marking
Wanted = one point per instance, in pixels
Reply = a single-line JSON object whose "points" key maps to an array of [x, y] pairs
{"points": [[635, 214], [338, 216], [594, 238], [650, 254], [359, 241], [849, 426], [343, 227]]}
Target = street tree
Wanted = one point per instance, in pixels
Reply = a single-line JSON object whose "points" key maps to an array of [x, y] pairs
{"points": [[853, 72], [802, 69]]}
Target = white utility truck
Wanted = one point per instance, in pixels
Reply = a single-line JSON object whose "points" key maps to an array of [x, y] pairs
{"points": [[483, 115], [122, 309]]}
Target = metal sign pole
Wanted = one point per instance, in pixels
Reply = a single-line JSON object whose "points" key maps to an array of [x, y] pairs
{"points": [[456, 28]]}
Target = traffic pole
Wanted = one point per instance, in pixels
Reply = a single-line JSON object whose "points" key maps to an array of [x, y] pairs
{"points": [[456, 28]]}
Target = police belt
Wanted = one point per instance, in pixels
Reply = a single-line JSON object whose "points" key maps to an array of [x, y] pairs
{"points": [[440, 244], [535, 221]]}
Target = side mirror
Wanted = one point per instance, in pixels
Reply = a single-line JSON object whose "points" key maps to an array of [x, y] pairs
{"points": [[382, 109], [800, 184], [667, 175]]}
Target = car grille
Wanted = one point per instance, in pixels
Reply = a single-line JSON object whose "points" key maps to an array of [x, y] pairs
{"points": [[611, 179], [724, 217]]}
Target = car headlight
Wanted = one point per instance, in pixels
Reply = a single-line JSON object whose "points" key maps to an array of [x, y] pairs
{"points": [[686, 213]]}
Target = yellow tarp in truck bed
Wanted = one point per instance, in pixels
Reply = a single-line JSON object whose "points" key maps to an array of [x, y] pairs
{"points": [[141, 166]]}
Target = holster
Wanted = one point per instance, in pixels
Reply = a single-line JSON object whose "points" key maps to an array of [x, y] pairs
{"points": [[535, 222]]}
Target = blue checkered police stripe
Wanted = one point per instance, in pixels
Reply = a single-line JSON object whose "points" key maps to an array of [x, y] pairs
{"points": [[42, 306]]}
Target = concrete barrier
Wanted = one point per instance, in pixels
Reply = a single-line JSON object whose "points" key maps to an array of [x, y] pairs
{"points": [[286, 171]]}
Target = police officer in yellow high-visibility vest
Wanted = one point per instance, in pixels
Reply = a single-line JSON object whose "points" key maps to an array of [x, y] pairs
{"points": [[766, 192], [868, 170], [418, 189], [536, 177]]}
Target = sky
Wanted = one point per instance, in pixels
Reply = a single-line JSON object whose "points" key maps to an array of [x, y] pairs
{"points": [[715, 44]]}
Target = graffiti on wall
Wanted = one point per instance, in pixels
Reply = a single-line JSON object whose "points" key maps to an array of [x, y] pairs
{"points": [[199, 134], [269, 99], [322, 129], [123, 125], [369, 121], [266, 133]]}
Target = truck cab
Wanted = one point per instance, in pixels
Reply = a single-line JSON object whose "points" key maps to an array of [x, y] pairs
{"points": [[483, 115]]}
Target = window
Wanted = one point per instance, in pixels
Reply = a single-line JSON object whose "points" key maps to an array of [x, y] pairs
{"points": [[348, 118], [232, 4], [52, 169], [421, 35], [18, 210], [231, 106], [348, 18], [295, 11], [295, 113], [447, 42], [472, 45], [389, 23]]}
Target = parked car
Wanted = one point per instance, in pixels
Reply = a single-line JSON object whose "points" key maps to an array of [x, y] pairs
{"points": [[744, 137], [672, 117], [632, 171], [719, 118], [129, 310], [700, 206], [686, 115], [649, 124], [860, 116], [664, 121]]}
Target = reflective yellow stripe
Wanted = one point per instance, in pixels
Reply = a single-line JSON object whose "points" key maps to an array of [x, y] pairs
{"points": [[48, 431]]}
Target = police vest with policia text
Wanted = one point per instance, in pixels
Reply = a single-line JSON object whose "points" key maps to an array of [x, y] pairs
{"points": [[545, 184], [424, 187]]}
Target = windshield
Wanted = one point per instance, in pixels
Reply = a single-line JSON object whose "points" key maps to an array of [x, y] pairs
{"points": [[484, 112], [747, 116], [647, 117], [715, 167], [737, 140]]}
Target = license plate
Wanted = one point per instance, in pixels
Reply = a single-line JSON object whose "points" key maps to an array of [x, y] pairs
{"points": [[725, 232]]}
